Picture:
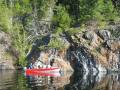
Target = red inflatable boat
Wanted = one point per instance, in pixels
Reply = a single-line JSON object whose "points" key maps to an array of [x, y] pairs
{"points": [[52, 71]]}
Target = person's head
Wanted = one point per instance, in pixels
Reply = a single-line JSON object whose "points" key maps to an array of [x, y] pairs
{"points": [[53, 60], [38, 66]]}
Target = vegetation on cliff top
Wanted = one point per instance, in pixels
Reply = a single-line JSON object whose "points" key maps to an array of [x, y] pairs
{"points": [[16, 14]]}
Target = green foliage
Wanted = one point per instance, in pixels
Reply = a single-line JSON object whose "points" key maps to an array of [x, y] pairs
{"points": [[80, 10], [85, 10], [73, 8], [56, 43], [13, 15], [22, 7], [62, 18], [5, 17], [73, 31], [21, 43], [42, 6], [43, 47], [58, 31], [102, 24], [104, 10], [15, 28]]}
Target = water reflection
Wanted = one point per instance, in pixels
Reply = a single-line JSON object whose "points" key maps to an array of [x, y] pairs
{"points": [[38, 82], [7, 79], [15, 80], [98, 81]]}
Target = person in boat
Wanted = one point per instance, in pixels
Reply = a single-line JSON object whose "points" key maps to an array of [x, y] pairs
{"points": [[39, 67], [31, 66], [38, 64], [52, 62]]}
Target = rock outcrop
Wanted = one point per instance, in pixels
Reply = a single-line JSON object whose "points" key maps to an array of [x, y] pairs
{"points": [[57, 58], [89, 51], [105, 34], [95, 51], [6, 59]]}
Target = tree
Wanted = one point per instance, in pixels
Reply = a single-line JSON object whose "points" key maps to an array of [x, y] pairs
{"points": [[5, 17], [104, 10], [85, 10], [62, 18]]}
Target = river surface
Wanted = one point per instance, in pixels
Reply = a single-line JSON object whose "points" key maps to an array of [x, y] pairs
{"points": [[17, 80]]}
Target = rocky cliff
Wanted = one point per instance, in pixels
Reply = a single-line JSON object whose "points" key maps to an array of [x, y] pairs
{"points": [[90, 51], [97, 50], [6, 55]]}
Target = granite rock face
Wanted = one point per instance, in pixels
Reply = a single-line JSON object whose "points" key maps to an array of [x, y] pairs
{"points": [[105, 34], [96, 51], [89, 51], [6, 60], [113, 44], [58, 58]]}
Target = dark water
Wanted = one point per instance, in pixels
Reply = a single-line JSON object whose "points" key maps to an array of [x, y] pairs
{"points": [[16, 80]]}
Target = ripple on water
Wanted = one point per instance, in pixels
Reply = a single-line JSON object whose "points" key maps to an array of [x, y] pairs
{"points": [[7, 79], [14, 80]]}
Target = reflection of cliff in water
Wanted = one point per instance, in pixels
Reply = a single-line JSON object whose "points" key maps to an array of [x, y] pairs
{"points": [[7, 79], [47, 82], [10, 80], [98, 81]]}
